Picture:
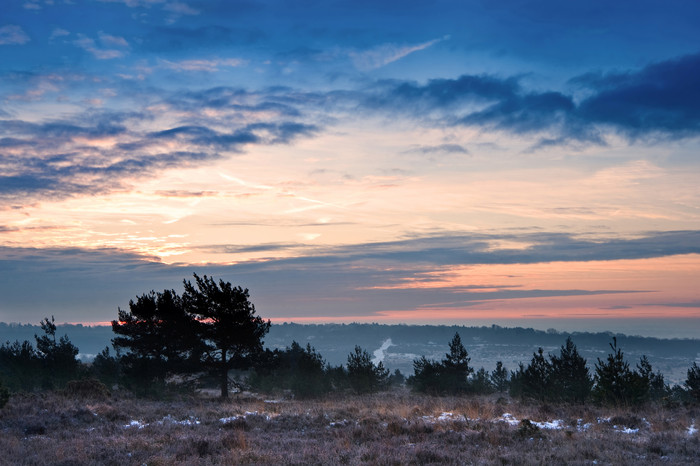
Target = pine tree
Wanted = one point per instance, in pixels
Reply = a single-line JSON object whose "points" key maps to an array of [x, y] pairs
{"points": [[692, 383], [481, 382], [58, 357], [363, 375], [456, 370], [226, 325], [570, 379], [499, 378], [536, 381], [616, 383]]}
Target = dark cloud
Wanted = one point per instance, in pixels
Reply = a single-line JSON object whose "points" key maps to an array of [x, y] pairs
{"points": [[62, 158], [661, 99], [341, 281]]}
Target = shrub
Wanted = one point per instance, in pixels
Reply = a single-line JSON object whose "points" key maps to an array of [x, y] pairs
{"points": [[86, 388]]}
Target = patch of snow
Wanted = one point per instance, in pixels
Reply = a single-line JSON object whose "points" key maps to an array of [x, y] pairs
{"points": [[556, 424], [581, 427], [273, 401], [447, 416], [225, 420], [379, 353], [509, 419], [342, 423], [692, 430], [626, 430], [134, 423], [185, 422]]}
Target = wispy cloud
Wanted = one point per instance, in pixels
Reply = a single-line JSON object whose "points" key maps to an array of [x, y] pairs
{"points": [[102, 52], [384, 54], [13, 35], [209, 66]]}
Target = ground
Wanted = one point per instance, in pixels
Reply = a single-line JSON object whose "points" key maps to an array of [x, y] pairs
{"points": [[395, 427]]}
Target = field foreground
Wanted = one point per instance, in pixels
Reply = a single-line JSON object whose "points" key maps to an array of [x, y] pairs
{"points": [[389, 428]]}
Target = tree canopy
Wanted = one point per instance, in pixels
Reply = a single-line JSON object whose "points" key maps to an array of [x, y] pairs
{"points": [[211, 326]]}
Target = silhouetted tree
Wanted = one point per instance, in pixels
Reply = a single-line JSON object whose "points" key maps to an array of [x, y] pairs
{"points": [[481, 382], [20, 365], [301, 370], [570, 378], [363, 375], [58, 356], [447, 376], [226, 325], [455, 367], [499, 378], [106, 367], [616, 383], [159, 335], [536, 379], [692, 382], [426, 376]]}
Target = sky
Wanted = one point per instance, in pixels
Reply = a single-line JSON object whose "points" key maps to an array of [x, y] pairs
{"points": [[471, 162]]}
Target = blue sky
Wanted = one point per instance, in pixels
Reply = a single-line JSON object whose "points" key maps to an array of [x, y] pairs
{"points": [[434, 161]]}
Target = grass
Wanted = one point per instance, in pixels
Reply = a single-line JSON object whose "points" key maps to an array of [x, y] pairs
{"points": [[391, 428]]}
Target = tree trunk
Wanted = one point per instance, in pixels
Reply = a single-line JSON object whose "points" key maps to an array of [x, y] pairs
{"points": [[224, 375]]}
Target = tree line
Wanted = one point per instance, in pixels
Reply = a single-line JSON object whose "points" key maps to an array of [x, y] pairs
{"points": [[212, 329]]}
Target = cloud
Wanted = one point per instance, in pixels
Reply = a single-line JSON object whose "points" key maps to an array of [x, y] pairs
{"points": [[102, 151], [58, 32], [101, 53], [13, 35], [661, 98], [209, 66], [387, 53], [107, 39], [364, 279], [440, 149]]}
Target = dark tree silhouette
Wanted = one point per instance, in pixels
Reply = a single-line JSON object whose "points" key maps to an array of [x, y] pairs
{"points": [[536, 379], [426, 376], [58, 356], [481, 382], [499, 378], [363, 375], [616, 383], [226, 325], [158, 334], [447, 376], [692, 383], [571, 380], [456, 366]]}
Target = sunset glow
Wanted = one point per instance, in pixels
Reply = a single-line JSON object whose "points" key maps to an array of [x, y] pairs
{"points": [[352, 161]]}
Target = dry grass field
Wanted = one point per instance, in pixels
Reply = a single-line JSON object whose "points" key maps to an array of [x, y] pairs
{"points": [[395, 427]]}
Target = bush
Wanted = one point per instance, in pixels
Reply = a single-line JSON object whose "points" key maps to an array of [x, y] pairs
{"points": [[86, 388]]}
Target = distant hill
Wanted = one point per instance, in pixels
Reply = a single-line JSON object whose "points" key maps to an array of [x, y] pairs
{"points": [[485, 345]]}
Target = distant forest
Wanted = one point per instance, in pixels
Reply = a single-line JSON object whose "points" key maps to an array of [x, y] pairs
{"points": [[486, 345]]}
